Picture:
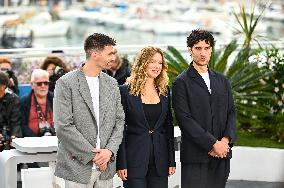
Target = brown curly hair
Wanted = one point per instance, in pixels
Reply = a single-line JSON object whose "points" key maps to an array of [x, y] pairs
{"points": [[56, 61], [138, 76], [5, 60]]}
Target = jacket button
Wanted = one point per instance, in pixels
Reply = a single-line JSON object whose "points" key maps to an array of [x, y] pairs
{"points": [[151, 131]]}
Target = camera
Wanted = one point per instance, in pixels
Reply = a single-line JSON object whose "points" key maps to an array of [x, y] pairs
{"points": [[9, 72], [58, 72], [5, 140], [45, 129]]}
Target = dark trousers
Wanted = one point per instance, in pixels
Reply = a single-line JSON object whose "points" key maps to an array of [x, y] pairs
{"points": [[151, 180], [213, 174]]}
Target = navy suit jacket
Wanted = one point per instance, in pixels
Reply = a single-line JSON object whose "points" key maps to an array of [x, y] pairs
{"points": [[134, 151], [203, 117]]}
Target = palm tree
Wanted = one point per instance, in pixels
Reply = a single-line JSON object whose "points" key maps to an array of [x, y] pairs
{"points": [[247, 26], [176, 63]]}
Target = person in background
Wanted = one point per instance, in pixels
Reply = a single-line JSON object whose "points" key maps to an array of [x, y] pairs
{"points": [[119, 69], [206, 115], [146, 156], [54, 10], [6, 66], [10, 117], [89, 119], [37, 107], [56, 68]]}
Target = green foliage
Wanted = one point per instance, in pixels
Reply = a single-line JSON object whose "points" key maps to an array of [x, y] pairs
{"points": [[248, 25], [219, 60], [176, 63], [271, 60], [256, 139]]}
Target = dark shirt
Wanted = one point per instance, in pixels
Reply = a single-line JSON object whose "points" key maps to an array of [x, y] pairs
{"points": [[10, 115], [122, 73], [152, 113]]}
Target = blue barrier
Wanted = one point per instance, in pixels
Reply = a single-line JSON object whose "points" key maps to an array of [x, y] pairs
{"points": [[24, 89]]}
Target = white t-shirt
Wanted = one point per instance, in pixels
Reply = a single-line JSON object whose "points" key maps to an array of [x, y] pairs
{"points": [[206, 79], [94, 87]]}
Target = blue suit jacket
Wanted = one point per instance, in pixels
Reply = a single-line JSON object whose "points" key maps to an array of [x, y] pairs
{"points": [[203, 117], [134, 150]]}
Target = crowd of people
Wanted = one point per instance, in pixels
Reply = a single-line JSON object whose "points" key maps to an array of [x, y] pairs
{"points": [[112, 119]]}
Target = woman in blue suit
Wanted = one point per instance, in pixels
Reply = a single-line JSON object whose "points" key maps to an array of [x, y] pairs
{"points": [[146, 155]]}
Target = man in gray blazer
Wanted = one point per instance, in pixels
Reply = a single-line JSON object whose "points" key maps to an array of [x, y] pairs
{"points": [[89, 119]]}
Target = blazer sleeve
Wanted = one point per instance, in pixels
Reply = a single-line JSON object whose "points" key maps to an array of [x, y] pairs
{"points": [[72, 140], [185, 120], [230, 130], [117, 132], [121, 162], [170, 133]]}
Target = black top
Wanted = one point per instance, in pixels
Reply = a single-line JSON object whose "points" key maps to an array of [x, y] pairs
{"points": [[122, 73], [152, 113], [10, 117]]}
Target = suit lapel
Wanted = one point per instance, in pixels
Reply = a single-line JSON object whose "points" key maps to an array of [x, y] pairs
{"points": [[213, 81], [85, 91], [103, 97], [196, 77], [214, 106]]}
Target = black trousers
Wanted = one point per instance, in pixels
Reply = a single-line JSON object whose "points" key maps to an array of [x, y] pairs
{"points": [[213, 174], [151, 180]]}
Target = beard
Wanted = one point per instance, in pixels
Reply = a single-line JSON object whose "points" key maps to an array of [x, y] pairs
{"points": [[199, 64]]}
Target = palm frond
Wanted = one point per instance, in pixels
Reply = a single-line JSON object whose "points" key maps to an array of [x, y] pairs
{"points": [[221, 63]]}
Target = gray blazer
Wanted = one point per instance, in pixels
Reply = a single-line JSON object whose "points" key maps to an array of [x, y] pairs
{"points": [[76, 126]]}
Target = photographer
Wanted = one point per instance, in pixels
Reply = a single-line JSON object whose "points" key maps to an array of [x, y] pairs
{"points": [[10, 118], [37, 107], [6, 66], [55, 68]]}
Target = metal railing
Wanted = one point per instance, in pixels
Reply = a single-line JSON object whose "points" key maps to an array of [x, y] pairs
{"points": [[123, 49]]}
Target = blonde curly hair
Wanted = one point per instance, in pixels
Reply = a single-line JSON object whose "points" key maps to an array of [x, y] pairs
{"points": [[138, 77]]}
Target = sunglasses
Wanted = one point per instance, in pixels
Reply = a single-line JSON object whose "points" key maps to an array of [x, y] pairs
{"points": [[41, 83], [4, 69]]}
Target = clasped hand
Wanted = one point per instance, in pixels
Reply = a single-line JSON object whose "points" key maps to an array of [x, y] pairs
{"points": [[220, 148], [102, 158]]}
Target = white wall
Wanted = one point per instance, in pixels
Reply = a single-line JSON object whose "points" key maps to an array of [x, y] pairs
{"points": [[257, 164], [251, 164]]}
